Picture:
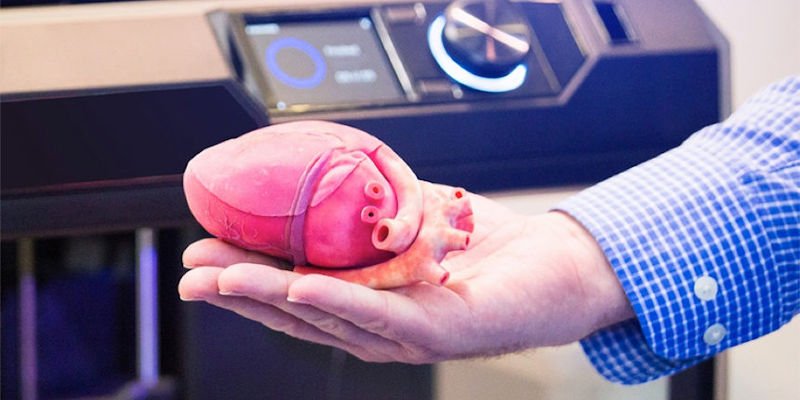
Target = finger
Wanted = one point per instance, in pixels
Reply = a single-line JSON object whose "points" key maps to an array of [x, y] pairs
{"points": [[257, 281], [218, 253], [384, 313], [269, 285], [201, 284]]}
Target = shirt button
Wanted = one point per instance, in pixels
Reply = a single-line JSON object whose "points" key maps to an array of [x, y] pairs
{"points": [[705, 288], [714, 334]]}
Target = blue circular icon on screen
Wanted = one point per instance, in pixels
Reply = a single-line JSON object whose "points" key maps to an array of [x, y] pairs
{"points": [[306, 48]]}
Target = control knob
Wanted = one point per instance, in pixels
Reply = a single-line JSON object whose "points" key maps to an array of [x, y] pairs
{"points": [[482, 44]]}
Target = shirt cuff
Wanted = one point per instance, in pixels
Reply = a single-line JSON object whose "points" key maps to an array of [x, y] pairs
{"points": [[691, 254]]}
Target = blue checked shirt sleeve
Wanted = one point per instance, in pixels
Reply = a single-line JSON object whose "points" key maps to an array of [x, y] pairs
{"points": [[705, 240]]}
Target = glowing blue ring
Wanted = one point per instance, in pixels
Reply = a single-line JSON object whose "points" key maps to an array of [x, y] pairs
{"points": [[506, 83], [309, 50]]}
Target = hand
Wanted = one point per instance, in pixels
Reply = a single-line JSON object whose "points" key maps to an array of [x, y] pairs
{"points": [[524, 281]]}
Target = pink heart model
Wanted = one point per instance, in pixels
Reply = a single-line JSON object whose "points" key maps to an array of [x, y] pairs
{"points": [[330, 199]]}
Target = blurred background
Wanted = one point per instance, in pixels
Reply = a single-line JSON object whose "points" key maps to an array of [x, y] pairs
{"points": [[89, 270]]}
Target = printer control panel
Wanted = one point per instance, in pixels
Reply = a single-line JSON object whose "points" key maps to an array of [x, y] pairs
{"points": [[403, 54]]}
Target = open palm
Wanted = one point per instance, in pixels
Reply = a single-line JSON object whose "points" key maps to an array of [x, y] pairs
{"points": [[524, 281]]}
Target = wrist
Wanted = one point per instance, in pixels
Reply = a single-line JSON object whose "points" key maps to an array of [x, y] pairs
{"points": [[605, 302]]}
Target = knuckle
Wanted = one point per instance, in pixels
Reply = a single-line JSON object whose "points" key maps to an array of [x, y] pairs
{"points": [[325, 323], [418, 355], [376, 325], [287, 326], [330, 326]]}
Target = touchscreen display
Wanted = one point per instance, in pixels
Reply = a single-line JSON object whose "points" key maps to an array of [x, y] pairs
{"points": [[323, 63]]}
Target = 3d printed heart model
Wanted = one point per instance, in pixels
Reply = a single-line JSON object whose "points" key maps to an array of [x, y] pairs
{"points": [[330, 199]]}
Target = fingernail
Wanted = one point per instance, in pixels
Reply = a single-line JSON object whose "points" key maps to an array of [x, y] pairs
{"points": [[229, 293], [190, 298], [296, 300]]}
